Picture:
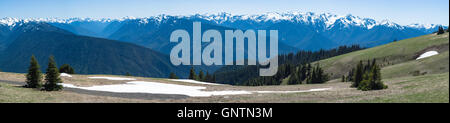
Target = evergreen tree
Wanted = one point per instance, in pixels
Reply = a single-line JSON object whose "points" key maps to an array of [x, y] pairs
{"points": [[294, 79], [208, 77], [192, 74], [34, 76], [201, 76], [173, 76], [440, 30], [66, 68], [350, 75], [214, 78], [358, 75], [52, 76], [377, 84], [128, 74], [372, 79]]}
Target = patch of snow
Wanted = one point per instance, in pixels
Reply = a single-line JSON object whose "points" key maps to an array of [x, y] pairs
{"points": [[390, 24], [67, 85], [65, 75], [162, 88], [193, 81], [424, 26], [157, 88], [112, 78], [9, 21], [427, 54]]}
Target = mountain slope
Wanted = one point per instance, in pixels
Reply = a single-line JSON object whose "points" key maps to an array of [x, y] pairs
{"points": [[340, 30], [86, 54], [155, 34], [391, 57]]}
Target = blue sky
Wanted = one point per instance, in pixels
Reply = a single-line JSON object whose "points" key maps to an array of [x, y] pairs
{"points": [[399, 11]]}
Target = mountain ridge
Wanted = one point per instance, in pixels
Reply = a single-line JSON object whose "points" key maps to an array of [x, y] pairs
{"points": [[88, 55], [302, 31]]}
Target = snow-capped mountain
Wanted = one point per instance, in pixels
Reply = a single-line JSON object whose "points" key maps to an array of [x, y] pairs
{"points": [[327, 19], [307, 31], [428, 28]]}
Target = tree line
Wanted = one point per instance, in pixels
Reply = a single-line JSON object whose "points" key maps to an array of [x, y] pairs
{"points": [[294, 74], [365, 77], [292, 63], [440, 30], [193, 76], [52, 80]]}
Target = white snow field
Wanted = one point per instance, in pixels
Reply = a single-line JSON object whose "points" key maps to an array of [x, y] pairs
{"points": [[65, 75], [162, 88], [427, 54], [193, 81], [157, 88], [111, 78]]}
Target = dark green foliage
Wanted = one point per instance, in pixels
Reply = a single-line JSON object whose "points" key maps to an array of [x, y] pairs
{"points": [[192, 74], [372, 80], [350, 75], [343, 78], [298, 75], [294, 79], [66, 68], [128, 74], [52, 76], [284, 71], [173, 76], [358, 75], [367, 77], [317, 76], [201, 76], [440, 30], [249, 75], [34, 76], [208, 77]]}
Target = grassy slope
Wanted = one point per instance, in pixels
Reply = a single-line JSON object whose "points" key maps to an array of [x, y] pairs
{"points": [[390, 54], [17, 94], [431, 65], [418, 89]]}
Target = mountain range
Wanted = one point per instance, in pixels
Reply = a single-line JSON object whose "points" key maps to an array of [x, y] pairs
{"points": [[141, 46], [297, 31], [88, 55]]}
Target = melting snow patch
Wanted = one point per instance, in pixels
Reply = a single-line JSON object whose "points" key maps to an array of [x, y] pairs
{"points": [[111, 78], [157, 88], [193, 81], [162, 88], [427, 54], [65, 75]]}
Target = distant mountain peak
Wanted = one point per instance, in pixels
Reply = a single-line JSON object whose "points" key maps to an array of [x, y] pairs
{"points": [[424, 26], [327, 20]]}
